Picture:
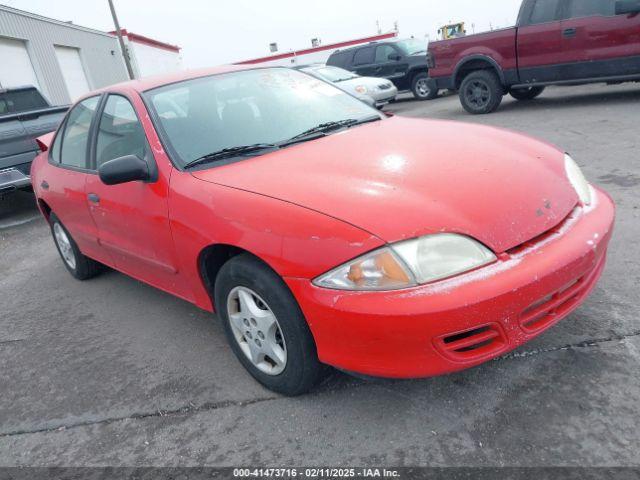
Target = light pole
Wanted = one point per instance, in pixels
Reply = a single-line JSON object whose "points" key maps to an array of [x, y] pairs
{"points": [[125, 54]]}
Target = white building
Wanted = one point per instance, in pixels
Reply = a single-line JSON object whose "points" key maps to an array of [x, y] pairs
{"points": [[318, 54], [63, 60], [151, 57]]}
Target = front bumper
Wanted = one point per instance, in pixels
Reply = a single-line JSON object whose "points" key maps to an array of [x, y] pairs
{"points": [[383, 97], [462, 322]]}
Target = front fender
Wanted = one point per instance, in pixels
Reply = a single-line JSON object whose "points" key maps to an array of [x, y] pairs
{"points": [[294, 241]]}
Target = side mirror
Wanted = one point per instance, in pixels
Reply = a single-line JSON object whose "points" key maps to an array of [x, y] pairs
{"points": [[394, 57], [124, 169], [624, 7]]}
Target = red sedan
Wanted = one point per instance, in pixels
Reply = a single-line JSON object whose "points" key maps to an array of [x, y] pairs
{"points": [[321, 231]]}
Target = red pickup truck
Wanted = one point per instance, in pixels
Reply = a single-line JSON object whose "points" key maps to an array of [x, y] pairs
{"points": [[555, 42]]}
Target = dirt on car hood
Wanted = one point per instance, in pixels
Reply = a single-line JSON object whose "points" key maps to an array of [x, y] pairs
{"points": [[402, 178]]}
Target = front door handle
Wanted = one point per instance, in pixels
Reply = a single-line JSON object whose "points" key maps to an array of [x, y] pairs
{"points": [[93, 198], [44, 185], [569, 32]]}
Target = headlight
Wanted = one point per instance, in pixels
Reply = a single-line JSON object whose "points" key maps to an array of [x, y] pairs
{"points": [[378, 270], [409, 263], [361, 89], [576, 177], [443, 255]]}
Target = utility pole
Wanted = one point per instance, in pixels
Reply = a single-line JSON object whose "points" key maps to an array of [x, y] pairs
{"points": [[125, 53]]}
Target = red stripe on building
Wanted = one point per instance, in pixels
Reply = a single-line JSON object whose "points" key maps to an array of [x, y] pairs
{"points": [[321, 48], [134, 37]]}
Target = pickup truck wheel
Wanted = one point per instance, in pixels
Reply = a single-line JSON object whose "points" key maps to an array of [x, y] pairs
{"points": [[526, 93], [481, 92], [80, 266], [265, 326], [421, 88]]}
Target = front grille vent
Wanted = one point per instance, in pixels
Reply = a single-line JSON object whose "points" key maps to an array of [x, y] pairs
{"points": [[471, 344]]}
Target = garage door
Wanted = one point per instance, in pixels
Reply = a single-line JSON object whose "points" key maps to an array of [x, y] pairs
{"points": [[14, 53], [72, 71]]}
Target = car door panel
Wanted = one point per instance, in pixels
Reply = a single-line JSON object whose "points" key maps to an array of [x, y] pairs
{"points": [[133, 218], [364, 62], [391, 69], [539, 44], [63, 178], [599, 43]]}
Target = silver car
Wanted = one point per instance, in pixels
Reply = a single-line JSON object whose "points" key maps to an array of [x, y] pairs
{"points": [[380, 90]]}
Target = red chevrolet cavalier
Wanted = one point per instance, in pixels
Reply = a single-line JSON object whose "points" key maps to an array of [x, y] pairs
{"points": [[319, 230]]}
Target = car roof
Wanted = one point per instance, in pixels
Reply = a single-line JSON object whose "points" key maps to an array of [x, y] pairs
{"points": [[370, 44], [149, 83]]}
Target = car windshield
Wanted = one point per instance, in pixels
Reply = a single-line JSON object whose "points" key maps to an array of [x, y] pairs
{"points": [[264, 106], [412, 46], [334, 74]]}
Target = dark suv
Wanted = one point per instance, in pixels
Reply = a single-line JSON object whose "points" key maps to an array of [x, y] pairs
{"points": [[404, 62]]}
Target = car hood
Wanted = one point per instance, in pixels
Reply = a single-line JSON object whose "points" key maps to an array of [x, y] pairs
{"points": [[403, 178]]}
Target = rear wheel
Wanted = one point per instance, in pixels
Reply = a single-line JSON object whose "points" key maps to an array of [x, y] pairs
{"points": [[422, 89], [265, 326], [79, 265], [526, 93], [481, 92]]}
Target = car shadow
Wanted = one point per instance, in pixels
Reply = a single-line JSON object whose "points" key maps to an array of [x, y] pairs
{"points": [[17, 208], [555, 99]]}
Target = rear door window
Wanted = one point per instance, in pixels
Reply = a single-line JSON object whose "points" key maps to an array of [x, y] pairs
{"points": [[591, 8], [545, 11], [341, 59], [75, 137], [364, 56]]}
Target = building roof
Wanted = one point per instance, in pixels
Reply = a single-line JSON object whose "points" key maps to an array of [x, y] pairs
{"points": [[60, 23], [329, 46], [134, 37]]}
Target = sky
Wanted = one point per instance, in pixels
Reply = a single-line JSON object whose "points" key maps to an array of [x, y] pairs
{"points": [[215, 32]]}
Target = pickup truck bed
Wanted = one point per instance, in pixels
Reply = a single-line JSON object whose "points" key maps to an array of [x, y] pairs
{"points": [[24, 116]]}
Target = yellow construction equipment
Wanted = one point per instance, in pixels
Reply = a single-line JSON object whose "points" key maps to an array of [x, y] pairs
{"points": [[453, 30]]}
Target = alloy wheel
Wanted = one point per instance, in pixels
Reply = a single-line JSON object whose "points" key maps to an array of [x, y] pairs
{"points": [[422, 87], [64, 244], [478, 94], [257, 331]]}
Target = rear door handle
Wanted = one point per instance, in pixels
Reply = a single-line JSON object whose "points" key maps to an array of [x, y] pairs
{"points": [[93, 198], [569, 32], [44, 185]]}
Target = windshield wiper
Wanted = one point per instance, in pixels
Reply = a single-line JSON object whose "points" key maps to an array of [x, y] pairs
{"points": [[231, 152], [324, 128]]}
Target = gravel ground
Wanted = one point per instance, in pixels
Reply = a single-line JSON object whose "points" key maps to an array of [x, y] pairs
{"points": [[113, 372]]}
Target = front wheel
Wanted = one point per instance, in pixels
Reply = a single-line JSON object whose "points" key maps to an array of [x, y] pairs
{"points": [[265, 326], [481, 92], [526, 93], [422, 89]]}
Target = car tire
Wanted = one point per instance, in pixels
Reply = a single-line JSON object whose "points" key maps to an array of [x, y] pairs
{"points": [[260, 315], [526, 93], [481, 92], [421, 89], [79, 266]]}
